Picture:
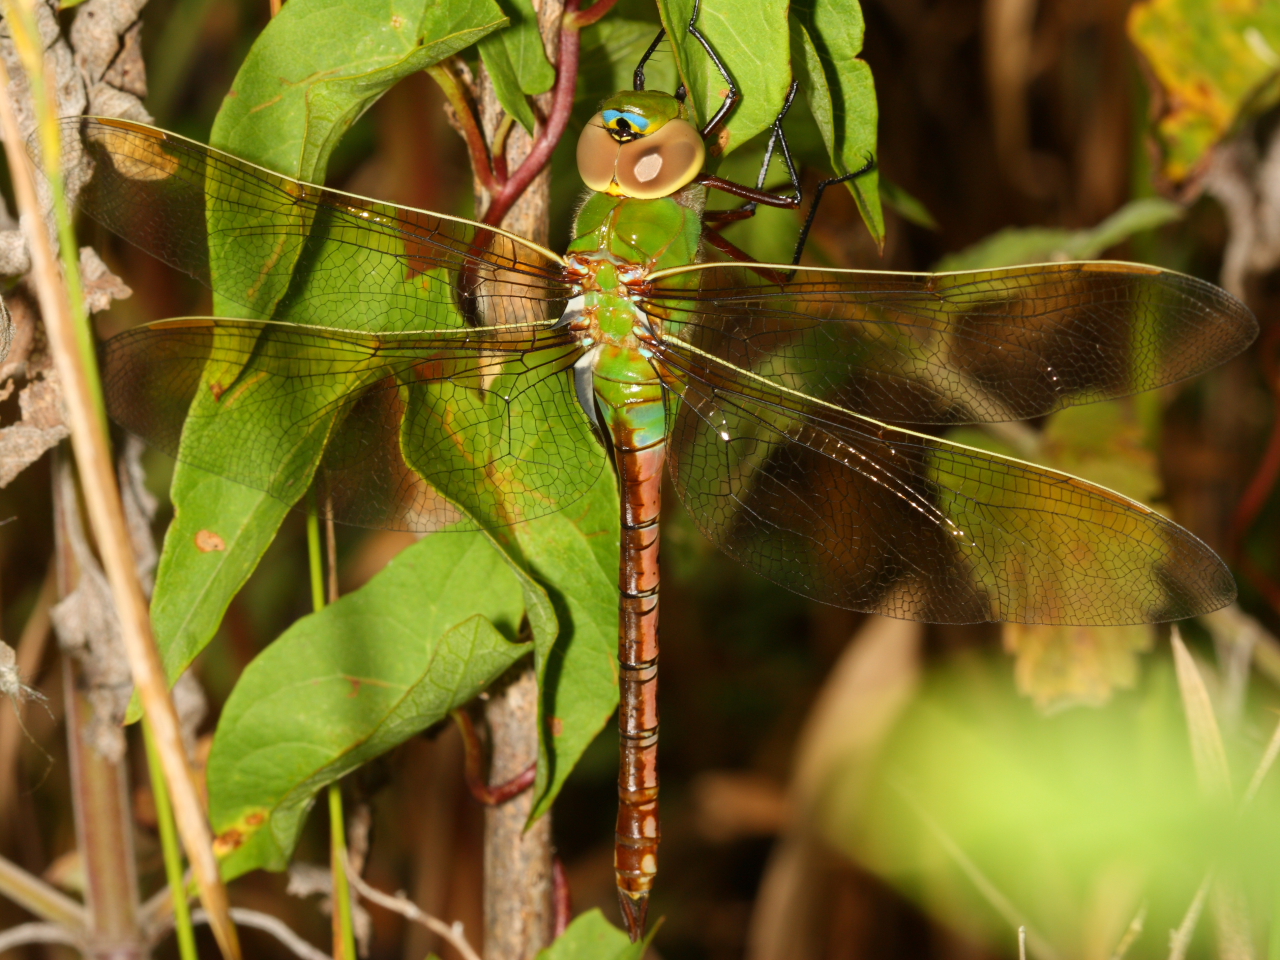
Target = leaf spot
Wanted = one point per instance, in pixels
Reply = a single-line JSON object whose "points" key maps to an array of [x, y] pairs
{"points": [[557, 726], [217, 389], [207, 541]]}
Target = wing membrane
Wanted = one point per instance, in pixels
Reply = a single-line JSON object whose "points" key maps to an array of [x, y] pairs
{"points": [[285, 250], [987, 345], [406, 431], [863, 515]]}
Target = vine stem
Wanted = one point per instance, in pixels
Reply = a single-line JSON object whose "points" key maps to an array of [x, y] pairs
{"points": [[70, 342], [548, 136], [344, 942]]}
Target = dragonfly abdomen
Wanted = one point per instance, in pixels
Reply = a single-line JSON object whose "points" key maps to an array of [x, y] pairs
{"points": [[631, 402]]}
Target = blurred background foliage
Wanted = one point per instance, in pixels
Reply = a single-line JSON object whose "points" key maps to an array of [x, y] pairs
{"points": [[837, 786]]}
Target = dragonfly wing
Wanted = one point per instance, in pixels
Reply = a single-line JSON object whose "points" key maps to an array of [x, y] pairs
{"points": [[863, 515], [977, 346], [404, 431], [281, 249]]}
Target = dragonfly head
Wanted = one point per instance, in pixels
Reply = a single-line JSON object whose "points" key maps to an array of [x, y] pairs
{"points": [[641, 144]]}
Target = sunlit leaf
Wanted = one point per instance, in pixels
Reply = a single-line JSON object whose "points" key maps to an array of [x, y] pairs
{"points": [[344, 54], [1216, 63], [751, 40]]}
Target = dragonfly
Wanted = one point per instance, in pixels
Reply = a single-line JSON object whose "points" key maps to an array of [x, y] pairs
{"points": [[425, 372]]}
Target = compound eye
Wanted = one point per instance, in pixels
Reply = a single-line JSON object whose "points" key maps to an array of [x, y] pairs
{"points": [[597, 155], [660, 164]]}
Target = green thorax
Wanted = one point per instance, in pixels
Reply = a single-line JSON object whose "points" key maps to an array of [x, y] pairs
{"points": [[620, 237], [655, 234]]}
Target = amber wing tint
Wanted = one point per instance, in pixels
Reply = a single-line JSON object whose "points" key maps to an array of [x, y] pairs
{"points": [[962, 347], [875, 518], [285, 250]]}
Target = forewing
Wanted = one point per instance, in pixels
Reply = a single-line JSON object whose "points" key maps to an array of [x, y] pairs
{"points": [[859, 514], [280, 249], [976, 346], [278, 407]]}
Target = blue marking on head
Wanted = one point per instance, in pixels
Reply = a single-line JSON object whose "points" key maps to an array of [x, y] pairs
{"points": [[638, 123]]}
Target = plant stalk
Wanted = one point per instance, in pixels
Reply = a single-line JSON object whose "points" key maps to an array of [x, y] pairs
{"points": [[172, 852], [73, 362], [99, 783], [344, 941]]}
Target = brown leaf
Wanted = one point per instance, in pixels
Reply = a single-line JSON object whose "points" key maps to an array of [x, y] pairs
{"points": [[101, 286], [40, 428]]}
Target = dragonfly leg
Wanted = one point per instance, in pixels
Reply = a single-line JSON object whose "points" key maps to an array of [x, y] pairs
{"points": [[817, 198], [758, 194], [637, 80]]}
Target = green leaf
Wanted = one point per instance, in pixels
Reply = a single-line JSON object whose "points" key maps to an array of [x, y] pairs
{"points": [[517, 61], [575, 554], [826, 38], [320, 64], [1218, 64], [353, 680], [592, 937], [315, 68], [1017, 245], [567, 564], [607, 58], [751, 41], [219, 532]]}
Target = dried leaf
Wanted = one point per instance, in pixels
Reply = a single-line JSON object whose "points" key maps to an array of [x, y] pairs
{"points": [[101, 286], [41, 427]]}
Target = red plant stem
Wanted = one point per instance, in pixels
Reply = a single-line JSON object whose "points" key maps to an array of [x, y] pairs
{"points": [[473, 752], [563, 897], [584, 18], [544, 143], [481, 162]]}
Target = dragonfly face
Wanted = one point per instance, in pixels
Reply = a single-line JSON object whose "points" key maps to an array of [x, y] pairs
{"points": [[640, 145]]}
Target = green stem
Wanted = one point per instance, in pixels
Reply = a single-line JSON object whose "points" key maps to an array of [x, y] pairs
{"points": [[314, 554], [344, 941], [172, 851]]}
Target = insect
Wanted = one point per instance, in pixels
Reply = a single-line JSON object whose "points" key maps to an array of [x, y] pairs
{"points": [[424, 372]]}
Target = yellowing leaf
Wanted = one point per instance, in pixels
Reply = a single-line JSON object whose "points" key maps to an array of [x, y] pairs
{"points": [[1217, 62]]}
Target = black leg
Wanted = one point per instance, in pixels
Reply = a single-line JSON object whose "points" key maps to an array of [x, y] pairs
{"points": [[637, 82], [734, 95], [817, 198], [759, 194]]}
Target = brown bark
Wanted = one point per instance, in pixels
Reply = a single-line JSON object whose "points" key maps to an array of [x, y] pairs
{"points": [[99, 778], [518, 911], [518, 908]]}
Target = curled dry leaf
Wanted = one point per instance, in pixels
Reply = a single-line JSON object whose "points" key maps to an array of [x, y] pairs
{"points": [[42, 426], [89, 630], [101, 286]]}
